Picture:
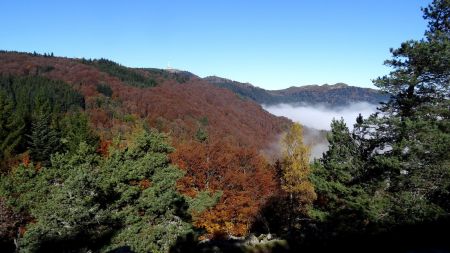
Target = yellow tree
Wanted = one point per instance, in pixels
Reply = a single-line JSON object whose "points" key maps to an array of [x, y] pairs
{"points": [[295, 173]]}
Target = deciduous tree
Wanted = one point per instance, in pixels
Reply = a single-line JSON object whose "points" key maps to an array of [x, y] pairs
{"points": [[295, 173], [241, 175]]}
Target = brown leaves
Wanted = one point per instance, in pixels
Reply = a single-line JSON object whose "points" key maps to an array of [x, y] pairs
{"points": [[180, 105], [103, 148], [26, 159], [241, 173], [143, 183]]}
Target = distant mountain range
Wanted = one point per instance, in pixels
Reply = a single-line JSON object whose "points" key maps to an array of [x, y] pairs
{"points": [[336, 95]]}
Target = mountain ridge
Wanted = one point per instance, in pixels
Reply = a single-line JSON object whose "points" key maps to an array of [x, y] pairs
{"points": [[339, 94]]}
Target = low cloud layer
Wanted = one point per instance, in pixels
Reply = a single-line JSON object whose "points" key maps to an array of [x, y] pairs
{"points": [[320, 116]]}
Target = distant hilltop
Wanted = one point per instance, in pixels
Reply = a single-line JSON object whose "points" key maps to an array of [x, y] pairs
{"points": [[339, 94]]}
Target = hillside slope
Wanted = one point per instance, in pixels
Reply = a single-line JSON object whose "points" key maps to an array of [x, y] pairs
{"points": [[331, 95], [173, 102]]}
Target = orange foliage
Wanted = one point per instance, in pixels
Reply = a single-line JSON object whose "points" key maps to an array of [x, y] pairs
{"points": [[245, 178], [22, 230], [26, 159], [38, 166], [103, 148], [144, 184]]}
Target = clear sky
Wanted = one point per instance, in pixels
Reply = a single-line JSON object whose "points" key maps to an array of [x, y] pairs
{"points": [[272, 44]]}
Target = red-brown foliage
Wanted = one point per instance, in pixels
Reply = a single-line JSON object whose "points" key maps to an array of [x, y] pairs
{"points": [[237, 129], [243, 175], [26, 159], [103, 148], [171, 106]]}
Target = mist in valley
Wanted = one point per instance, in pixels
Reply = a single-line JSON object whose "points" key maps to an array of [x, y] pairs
{"points": [[316, 120], [320, 116]]}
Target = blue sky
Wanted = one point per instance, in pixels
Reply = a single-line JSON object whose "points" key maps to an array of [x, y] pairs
{"points": [[272, 44]]}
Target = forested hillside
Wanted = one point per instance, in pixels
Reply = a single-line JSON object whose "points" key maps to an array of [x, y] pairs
{"points": [[169, 101], [53, 105], [99, 157], [336, 95]]}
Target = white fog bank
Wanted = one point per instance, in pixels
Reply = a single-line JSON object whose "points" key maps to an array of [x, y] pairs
{"points": [[320, 116]]}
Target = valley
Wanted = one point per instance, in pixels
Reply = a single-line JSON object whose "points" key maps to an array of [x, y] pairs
{"points": [[126, 156]]}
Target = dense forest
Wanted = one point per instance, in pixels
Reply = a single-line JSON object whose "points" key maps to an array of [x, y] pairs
{"points": [[98, 157]]}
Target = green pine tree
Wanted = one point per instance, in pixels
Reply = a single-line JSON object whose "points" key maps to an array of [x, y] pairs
{"points": [[201, 135], [406, 144], [43, 140], [342, 198], [84, 202], [11, 127], [75, 128]]}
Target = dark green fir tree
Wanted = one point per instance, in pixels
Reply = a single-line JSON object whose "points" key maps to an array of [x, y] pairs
{"points": [[43, 140]]}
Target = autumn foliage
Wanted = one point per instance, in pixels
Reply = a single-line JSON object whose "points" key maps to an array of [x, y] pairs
{"points": [[296, 171], [245, 178], [174, 105], [233, 130]]}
